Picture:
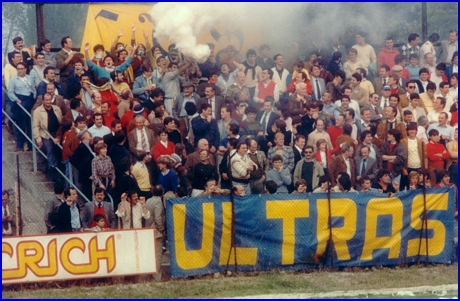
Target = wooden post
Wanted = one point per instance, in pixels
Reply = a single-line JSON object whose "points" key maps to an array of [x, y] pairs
{"points": [[40, 15], [424, 23]]}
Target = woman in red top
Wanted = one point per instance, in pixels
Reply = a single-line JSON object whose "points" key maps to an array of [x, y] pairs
{"points": [[437, 155], [164, 147]]}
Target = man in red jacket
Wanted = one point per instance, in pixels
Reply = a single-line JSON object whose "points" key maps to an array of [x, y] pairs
{"points": [[266, 87], [388, 53], [437, 155]]}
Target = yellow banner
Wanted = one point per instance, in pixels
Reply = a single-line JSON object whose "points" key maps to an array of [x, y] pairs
{"points": [[105, 20]]}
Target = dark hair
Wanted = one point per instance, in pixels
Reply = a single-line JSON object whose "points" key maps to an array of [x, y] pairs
{"points": [[433, 38], [431, 86], [364, 133], [381, 173], [341, 74], [120, 136], [399, 58], [204, 107], [249, 110], [411, 126], [271, 187], [442, 173], [17, 39], [395, 133], [357, 76], [441, 66], [47, 69], [234, 128], [412, 37], [64, 40], [59, 187], [251, 52], [387, 68], [407, 112], [413, 56], [190, 108], [277, 158], [337, 55], [345, 182], [43, 43], [351, 112], [300, 182], [75, 103], [114, 74], [364, 178], [362, 71], [98, 217], [276, 56], [395, 96], [233, 142], [423, 70], [347, 129], [324, 179], [414, 96]]}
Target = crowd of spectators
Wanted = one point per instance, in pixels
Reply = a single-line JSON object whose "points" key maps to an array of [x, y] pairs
{"points": [[140, 123]]}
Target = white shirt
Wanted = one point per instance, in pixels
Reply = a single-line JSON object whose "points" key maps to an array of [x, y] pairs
{"points": [[413, 159], [347, 162], [99, 132], [139, 140]]}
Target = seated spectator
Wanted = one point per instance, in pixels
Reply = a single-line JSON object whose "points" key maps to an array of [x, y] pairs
{"points": [[300, 187], [413, 181], [324, 183], [211, 189], [424, 178], [238, 190], [365, 183], [444, 179], [202, 172], [250, 128], [270, 187], [281, 176], [383, 182]]}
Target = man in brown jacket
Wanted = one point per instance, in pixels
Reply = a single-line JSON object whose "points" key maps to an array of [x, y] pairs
{"points": [[390, 122], [343, 163]]}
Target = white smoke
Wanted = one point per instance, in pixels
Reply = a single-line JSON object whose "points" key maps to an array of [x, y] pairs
{"points": [[181, 23]]}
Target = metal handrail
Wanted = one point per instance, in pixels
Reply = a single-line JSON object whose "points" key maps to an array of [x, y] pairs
{"points": [[55, 167], [60, 146]]}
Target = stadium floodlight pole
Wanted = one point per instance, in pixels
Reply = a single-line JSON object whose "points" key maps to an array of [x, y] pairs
{"points": [[232, 198]]}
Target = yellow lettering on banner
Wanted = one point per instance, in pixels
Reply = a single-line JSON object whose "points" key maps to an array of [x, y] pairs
{"points": [[245, 256], [339, 207], [383, 206], [437, 243], [194, 259], [288, 211], [29, 255], [95, 254]]}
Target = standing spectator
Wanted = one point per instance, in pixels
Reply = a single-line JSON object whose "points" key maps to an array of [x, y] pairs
{"points": [[98, 129], [423, 82], [393, 155], [343, 163], [69, 212], [390, 122], [132, 219], [242, 166], [263, 60], [382, 80], [366, 53], [53, 204], [437, 155], [448, 48], [187, 95], [47, 118], [414, 107], [281, 149], [204, 126], [7, 215], [388, 53], [171, 82], [56, 99], [98, 206], [141, 139], [428, 48], [21, 90], [216, 102], [144, 83], [453, 67], [365, 166], [37, 70], [280, 75], [103, 171], [63, 59], [259, 174], [157, 221], [413, 68], [416, 154], [124, 181], [141, 173], [265, 87], [411, 47], [168, 178], [225, 181], [323, 155], [50, 58], [18, 44], [279, 174], [308, 169], [452, 165], [164, 148]]}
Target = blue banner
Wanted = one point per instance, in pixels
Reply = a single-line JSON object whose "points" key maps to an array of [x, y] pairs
{"points": [[291, 232]]}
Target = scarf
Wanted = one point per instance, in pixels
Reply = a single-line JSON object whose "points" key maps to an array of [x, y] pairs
{"points": [[104, 87], [250, 67]]}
